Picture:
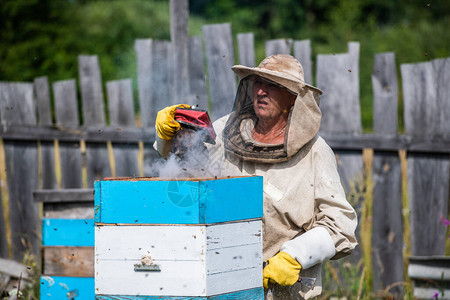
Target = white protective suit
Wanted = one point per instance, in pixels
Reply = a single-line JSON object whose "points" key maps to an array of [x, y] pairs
{"points": [[306, 213]]}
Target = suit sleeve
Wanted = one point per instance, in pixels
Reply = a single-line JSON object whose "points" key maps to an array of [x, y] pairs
{"points": [[333, 211]]}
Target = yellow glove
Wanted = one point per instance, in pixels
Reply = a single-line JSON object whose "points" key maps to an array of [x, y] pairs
{"points": [[281, 269], [166, 126]]}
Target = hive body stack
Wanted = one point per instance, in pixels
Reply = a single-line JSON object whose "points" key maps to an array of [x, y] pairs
{"points": [[67, 244], [167, 239]]}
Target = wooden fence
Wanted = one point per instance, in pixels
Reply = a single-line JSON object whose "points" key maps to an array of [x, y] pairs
{"points": [[58, 144]]}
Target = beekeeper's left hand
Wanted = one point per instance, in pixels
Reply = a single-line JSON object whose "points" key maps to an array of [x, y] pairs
{"points": [[281, 269], [166, 126]]}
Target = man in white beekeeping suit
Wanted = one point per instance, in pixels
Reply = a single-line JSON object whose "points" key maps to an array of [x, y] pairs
{"points": [[273, 132]]}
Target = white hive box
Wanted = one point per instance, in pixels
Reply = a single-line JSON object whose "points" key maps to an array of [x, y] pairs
{"points": [[160, 239]]}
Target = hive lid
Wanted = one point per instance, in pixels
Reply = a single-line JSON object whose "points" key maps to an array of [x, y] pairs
{"points": [[187, 201]]}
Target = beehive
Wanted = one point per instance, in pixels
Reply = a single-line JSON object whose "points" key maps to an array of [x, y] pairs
{"points": [[178, 238], [67, 244]]}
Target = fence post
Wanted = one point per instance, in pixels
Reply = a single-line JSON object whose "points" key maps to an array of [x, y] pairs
{"points": [[143, 49], [97, 158], [197, 80], [387, 227], [246, 49], [66, 112], [179, 15], [220, 59], [41, 88], [427, 112], [302, 52], [279, 46], [162, 87], [18, 108], [337, 78], [121, 113]]}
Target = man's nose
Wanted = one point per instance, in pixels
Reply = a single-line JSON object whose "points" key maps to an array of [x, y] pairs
{"points": [[261, 91]]}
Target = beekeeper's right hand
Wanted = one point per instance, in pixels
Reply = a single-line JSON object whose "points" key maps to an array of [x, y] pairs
{"points": [[166, 126], [281, 269]]}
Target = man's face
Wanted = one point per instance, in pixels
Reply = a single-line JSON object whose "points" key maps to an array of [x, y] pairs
{"points": [[271, 102]]}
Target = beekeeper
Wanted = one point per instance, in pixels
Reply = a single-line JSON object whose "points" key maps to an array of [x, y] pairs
{"points": [[273, 132]]}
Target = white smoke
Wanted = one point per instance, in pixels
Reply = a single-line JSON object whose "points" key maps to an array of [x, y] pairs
{"points": [[189, 162]]}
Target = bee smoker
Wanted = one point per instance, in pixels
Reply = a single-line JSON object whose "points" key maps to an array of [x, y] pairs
{"points": [[188, 142]]}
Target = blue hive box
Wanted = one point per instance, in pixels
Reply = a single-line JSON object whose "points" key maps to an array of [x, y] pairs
{"points": [[199, 201]]}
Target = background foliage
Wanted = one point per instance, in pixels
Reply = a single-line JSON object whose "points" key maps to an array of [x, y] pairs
{"points": [[44, 37]]}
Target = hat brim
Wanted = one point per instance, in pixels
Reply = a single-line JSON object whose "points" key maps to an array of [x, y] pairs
{"points": [[290, 82]]}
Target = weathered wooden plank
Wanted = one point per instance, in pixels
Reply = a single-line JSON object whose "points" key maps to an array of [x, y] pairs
{"points": [[66, 203], [197, 76], [430, 293], [302, 52], [220, 59], [66, 107], [144, 61], [68, 261], [385, 92], [429, 267], [441, 68], [426, 97], [279, 46], [66, 113], [143, 49], [179, 15], [246, 46], [97, 157], [42, 90], [22, 170], [91, 90], [387, 227], [162, 77], [337, 76], [3, 230], [4, 203], [338, 141], [68, 232], [427, 81], [90, 134], [48, 177], [340, 100], [350, 168], [121, 113], [63, 287], [12, 268], [427, 273], [65, 195], [428, 179], [17, 107]]}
